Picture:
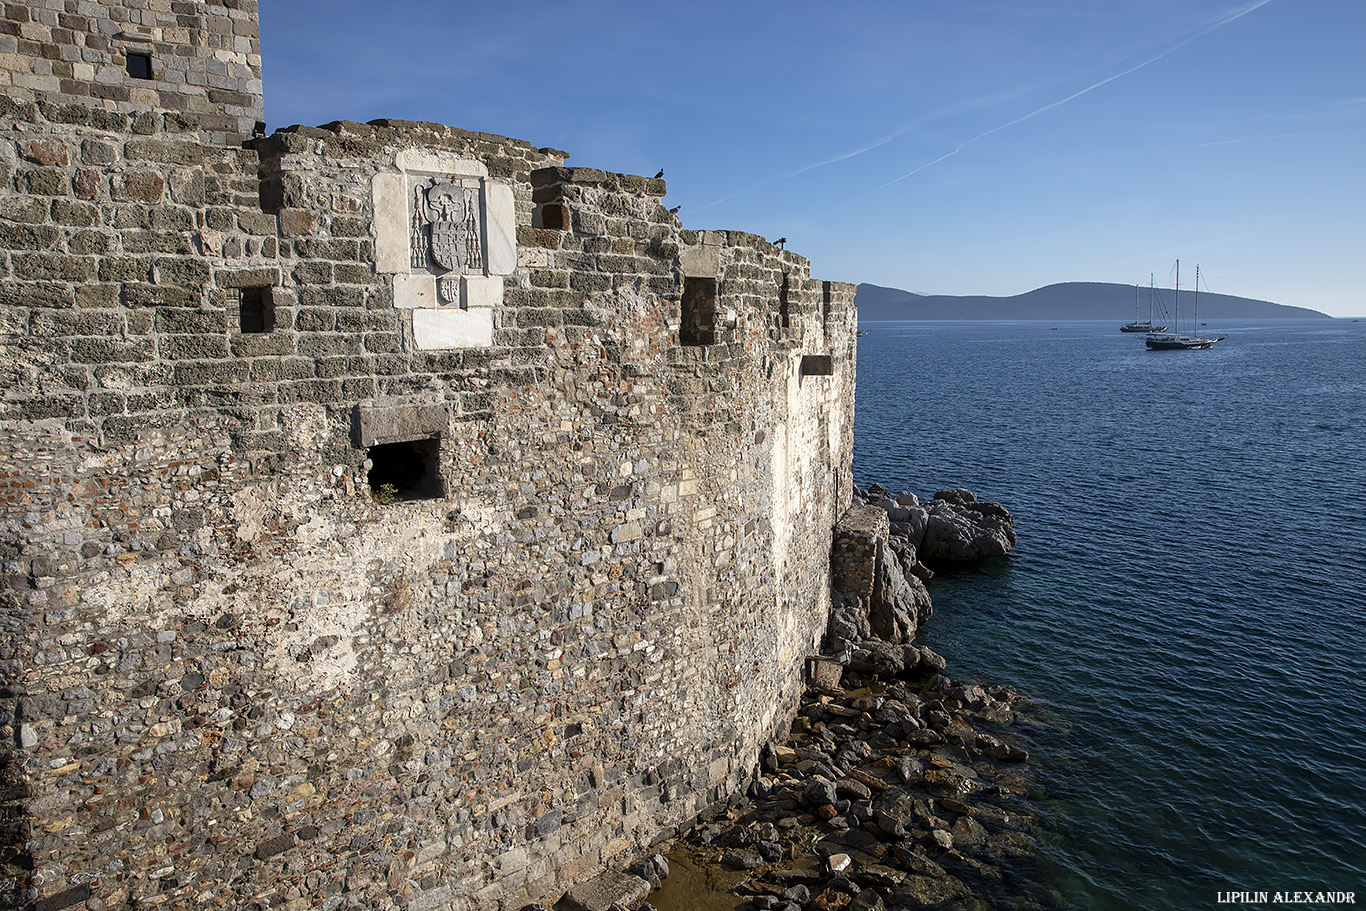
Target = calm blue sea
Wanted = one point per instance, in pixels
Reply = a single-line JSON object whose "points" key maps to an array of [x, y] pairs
{"points": [[1187, 602]]}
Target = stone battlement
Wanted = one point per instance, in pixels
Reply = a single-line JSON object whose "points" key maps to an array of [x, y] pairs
{"points": [[393, 516]]}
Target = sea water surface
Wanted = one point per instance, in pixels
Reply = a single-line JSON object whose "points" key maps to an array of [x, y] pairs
{"points": [[1187, 601]]}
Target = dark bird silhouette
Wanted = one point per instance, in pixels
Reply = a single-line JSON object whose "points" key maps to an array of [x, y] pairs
{"points": [[674, 210], [780, 241], [660, 174]]}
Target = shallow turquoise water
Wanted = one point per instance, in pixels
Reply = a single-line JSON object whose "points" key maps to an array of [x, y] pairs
{"points": [[1188, 598]]}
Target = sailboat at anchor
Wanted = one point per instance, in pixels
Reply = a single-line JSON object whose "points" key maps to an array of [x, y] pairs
{"points": [[1146, 325], [1175, 341]]}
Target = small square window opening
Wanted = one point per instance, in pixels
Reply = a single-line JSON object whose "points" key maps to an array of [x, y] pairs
{"points": [[256, 311], [140, 66], [406, 470]]}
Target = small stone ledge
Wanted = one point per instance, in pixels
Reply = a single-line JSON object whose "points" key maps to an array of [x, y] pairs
{"points": [[395, 422]]}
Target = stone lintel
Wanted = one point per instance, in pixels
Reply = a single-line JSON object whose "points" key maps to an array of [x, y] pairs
{"points": [[437, 162], [395, 421]]}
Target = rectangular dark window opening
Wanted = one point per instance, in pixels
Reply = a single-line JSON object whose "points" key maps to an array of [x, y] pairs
{"points": [[406, 470], [256, 311], [818, 365], [698, 326], [140, 66], [554, 216], [784, 311]]}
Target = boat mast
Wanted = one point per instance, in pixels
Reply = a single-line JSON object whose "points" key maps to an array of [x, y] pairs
{"points": [[1196, 330], [1152, 294], [1176, 307]]}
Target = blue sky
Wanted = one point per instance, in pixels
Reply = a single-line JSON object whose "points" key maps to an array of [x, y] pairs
{"points": [[968, 147]]}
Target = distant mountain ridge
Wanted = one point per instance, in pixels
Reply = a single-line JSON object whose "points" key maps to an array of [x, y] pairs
{"points": [[1063, 301]]}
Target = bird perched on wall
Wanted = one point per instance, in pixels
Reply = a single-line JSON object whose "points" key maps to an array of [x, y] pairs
{"points": [[779, 243], [674, 210], [660, 174]]}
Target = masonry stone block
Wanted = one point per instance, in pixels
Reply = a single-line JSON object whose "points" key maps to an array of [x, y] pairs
{"points": [[478, 291], [415, 291]]}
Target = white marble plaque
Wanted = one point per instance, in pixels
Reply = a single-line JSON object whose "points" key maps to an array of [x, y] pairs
{"points": [[391, 223], [447, 233], [452, 328], [500, 210]]}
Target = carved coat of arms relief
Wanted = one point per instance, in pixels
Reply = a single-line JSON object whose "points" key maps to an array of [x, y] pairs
{"points": [[446, 233]]}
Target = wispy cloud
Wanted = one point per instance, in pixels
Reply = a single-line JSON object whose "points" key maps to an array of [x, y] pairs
{"points": [[1225, 20]]}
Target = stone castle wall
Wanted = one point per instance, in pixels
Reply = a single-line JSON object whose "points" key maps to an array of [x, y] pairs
{"points": [[138, 55], [237, 669]]}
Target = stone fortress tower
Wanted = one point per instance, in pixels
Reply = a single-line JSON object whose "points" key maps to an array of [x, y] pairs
{"points": [[393, 517]]}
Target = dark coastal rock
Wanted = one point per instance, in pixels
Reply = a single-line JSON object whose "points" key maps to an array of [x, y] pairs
{"points": [[952, 528], [849, 619], [927, 892], [898, 604], [878, 658], [742, 858], [962, 530], [968, 831], [819, 793], [653, 869], [867, 900]]}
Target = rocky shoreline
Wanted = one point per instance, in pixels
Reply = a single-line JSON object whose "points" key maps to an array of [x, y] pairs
{"points": [[897, 786]]}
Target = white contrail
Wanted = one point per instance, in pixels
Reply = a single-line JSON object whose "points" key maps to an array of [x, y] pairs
{"points": [[1236, 14], [1230, 142]]}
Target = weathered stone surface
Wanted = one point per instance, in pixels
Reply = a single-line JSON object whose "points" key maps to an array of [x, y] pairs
{"points": [[231, 635], [898, 604], [391, 421], [607, 892]]}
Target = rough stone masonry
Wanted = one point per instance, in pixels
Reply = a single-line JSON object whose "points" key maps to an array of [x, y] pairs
{"points": [[393, 517]]}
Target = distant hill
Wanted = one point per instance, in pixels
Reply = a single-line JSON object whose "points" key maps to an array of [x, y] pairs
{"points": [[1068, 300]]}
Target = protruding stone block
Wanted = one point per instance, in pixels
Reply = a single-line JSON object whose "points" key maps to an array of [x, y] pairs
{"points": [[817, 365], [437, 162], [393, 422]]}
